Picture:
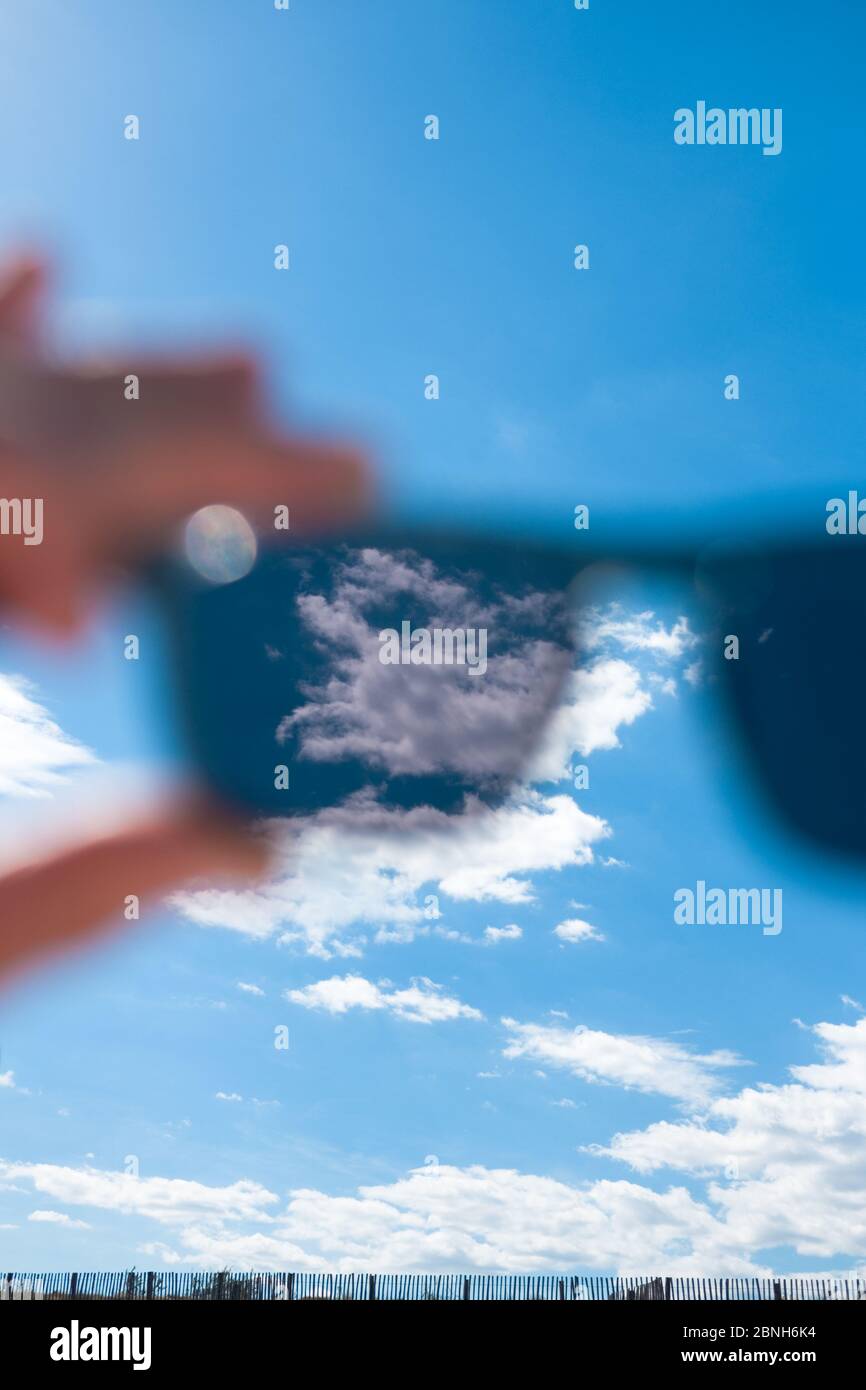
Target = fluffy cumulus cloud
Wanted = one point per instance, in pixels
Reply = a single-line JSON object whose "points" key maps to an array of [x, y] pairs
{"points": [[442, 1218], [784, 1164], [422, 1001], [608, 692], [35, 753], [511, 932], [168, 1201], [774, 1166], [420, 718], [347, 875], [438, 1217], [575, 930], [653, 1065], [598, 701]]}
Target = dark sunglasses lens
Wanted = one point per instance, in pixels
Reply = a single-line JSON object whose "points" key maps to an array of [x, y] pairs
{"points": [[400, 676], [798, 680]]}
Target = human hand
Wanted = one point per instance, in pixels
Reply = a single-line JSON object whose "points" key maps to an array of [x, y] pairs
{"points": [[115, 477]]}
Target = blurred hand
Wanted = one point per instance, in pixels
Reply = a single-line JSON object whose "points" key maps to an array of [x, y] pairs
{"points": [[117, 477]]}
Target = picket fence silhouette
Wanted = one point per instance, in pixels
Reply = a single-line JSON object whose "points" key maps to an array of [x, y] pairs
{"points": [[225, 1285]]}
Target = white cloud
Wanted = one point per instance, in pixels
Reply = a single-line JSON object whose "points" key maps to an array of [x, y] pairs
{"points": [[422, 1002], [654, 1065], [637, 632], [785, 1164], [339, 994], [254, 1251], [8, 1083], [169, 1201], [58, 1218], [251, 989], [598, 701], [496, 934], [442, 1218], [376, 874], [775, 1166], [35, 753], [228, 1095], [575, 930], [607, 693]]}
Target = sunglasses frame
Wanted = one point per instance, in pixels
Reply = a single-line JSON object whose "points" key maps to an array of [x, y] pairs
{"points": [[170, 577]]}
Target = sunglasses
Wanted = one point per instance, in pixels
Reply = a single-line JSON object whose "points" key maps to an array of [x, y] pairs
{"points": [[417, 670]]}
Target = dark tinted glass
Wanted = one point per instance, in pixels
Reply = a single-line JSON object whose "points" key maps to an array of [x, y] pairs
{"points": [[799, 683], [397, 673]]}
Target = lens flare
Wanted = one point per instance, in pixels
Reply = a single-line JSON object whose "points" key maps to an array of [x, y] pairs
{"points": [[220, 544]]}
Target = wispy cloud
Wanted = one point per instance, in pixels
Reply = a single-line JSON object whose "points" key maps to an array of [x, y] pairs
{"points": [[422, 1002], [35, 753], [654, 1065]]}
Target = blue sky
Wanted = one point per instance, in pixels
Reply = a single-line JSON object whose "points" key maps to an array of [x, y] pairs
{"points": [[455, 257]]}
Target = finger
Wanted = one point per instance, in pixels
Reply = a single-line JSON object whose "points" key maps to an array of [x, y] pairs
{"points": [[42, 574], [130, 509], [90, 406], [56, 905], [21, 287], [324, 485]]}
